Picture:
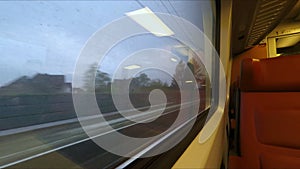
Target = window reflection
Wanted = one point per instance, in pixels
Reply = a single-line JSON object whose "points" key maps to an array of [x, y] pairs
{"points": [[40, 42]]}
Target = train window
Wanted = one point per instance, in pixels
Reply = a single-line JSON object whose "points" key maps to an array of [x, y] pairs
{"points": [[283, 45], [288, 45], [95, 83]]}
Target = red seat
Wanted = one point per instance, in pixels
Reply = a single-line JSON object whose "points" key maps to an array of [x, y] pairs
{"points": [[270, 113]]}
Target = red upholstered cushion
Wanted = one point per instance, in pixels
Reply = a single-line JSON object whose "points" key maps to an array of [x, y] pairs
{"points": [[272, 74], [277, 118], [265, 127], [270, 113], [279, 161], [278, 127]]}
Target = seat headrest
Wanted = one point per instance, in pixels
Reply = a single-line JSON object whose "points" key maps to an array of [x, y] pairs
{"points": [[271, 74]]}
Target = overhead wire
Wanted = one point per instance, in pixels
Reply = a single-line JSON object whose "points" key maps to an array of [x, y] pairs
{"points": [[180, 25], [187, 35], [140, 3]]}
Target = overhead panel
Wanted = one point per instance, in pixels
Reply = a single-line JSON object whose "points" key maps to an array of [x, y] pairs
{"points": [[258, 18], [267, 17]]}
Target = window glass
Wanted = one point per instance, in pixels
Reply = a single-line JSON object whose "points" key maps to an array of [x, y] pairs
{"points": [[42, 43], [288, 45]]}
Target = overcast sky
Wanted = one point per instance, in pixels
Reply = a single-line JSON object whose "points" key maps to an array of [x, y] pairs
{"points": [[47, 36]]}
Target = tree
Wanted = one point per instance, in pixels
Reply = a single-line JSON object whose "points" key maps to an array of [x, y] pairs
{"points": [[156, 83], [141, 81], [179, 73], [102, 79]]}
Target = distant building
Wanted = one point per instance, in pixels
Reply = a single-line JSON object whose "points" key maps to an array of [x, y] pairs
{"points": [[119, 84], [78, 90], [67, 88], [39, 84]]}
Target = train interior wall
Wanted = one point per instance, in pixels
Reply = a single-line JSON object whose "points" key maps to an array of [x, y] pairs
{"points": [[257, 52]]}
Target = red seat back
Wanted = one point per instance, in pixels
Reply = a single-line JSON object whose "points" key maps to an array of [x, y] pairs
{"points": [[270, 113]]}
